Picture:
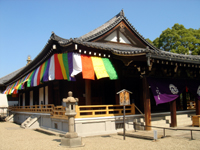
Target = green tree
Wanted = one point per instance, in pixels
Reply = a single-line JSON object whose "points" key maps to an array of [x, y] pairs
{"points": [[148, 40], [180, 40]]}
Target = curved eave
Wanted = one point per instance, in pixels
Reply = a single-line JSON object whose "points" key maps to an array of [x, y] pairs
{"points": [[141, 51], [174, 57]]}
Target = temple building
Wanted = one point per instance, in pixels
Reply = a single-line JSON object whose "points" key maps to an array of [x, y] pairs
{"points": [[95, 67]]}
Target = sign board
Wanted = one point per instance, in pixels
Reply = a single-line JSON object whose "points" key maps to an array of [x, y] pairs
{"points": [[124, 97]]}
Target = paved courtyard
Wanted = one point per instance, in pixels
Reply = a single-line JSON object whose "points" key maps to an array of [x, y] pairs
{"points": [[12, 137]]}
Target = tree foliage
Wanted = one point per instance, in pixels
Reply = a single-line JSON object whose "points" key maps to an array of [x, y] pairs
{"points": [[180, 40], [148, 40]]}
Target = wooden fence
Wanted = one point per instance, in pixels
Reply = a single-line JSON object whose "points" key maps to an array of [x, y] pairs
{"points": [[103, 110], [59, 112], [82, 111], [34, 108]]}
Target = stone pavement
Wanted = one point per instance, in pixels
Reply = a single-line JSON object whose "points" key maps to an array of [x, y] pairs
{"points": [[12, 137]]}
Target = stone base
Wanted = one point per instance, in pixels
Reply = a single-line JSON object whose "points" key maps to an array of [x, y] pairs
{"points": [[72, 142], [71, 135]]}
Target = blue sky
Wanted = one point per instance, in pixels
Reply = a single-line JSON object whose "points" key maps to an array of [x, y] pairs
{"points": [[26, 25]]}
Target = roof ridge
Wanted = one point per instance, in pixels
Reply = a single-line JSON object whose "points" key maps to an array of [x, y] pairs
{"points": [[141, 36], [109, 25], [103, 28]]}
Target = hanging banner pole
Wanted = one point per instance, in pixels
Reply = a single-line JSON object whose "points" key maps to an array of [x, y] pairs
{"points": [[124, 109], [124, 97]]}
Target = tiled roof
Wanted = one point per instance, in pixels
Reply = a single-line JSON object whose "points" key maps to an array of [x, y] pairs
{"points": [[109, 25], [129, 50], [9, 76], [113, 47], [120, 49]]}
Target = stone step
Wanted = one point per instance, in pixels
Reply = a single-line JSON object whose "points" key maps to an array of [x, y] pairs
{"points": [[158, 123], [178, 116], [29, 121], [10, 118], [50, 131], [184, 119]]}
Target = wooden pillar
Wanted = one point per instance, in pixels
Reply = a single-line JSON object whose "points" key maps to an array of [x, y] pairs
{"points": [[147, 104], [197, 106], [173, 113], [88, 92]]}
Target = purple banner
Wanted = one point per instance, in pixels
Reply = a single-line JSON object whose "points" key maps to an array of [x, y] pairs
{"points": [[46, 73], [166, 90], [70, 63]]}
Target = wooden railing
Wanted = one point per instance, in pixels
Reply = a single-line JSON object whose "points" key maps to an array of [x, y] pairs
{"points": [[82, 111], [59, 112], [103, 110], [34, 108]]}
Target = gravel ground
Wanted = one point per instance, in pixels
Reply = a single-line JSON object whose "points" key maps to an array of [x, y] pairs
{"points": [[12, 137]]}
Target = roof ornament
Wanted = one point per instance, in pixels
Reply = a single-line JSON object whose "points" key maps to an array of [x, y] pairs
{"points": [[28, 60], [122, 13]]}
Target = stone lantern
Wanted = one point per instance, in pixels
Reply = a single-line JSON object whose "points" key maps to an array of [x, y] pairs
{"points": [[71, 138]]}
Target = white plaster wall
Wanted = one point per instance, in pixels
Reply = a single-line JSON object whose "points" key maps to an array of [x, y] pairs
{"points": [[123, 39], [65, 126], [20, 118], [112, 37], [46, 121]]}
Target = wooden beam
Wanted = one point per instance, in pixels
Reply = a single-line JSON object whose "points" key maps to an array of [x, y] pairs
{"points": [[175, 69], [173, 113], [147, 104], [150, 67], [88, 92]]}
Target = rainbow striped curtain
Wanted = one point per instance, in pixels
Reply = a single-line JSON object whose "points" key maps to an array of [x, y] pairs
{"points": [[64, 67]]}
